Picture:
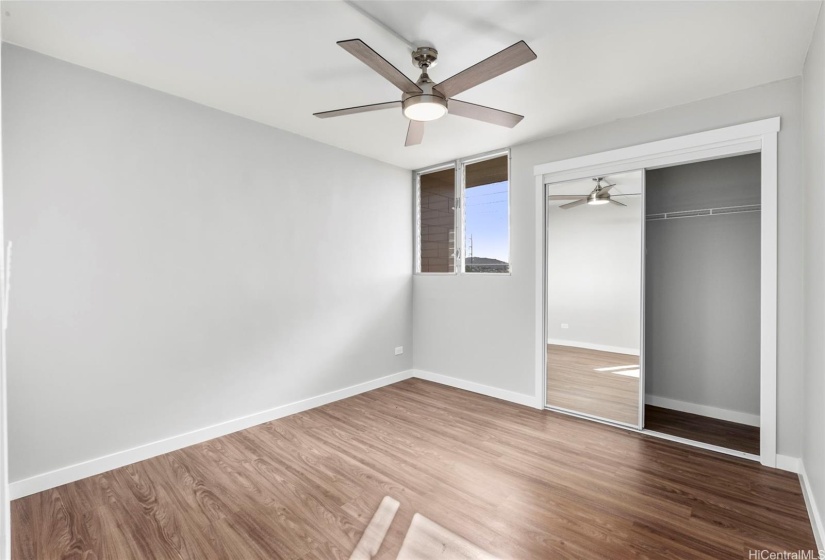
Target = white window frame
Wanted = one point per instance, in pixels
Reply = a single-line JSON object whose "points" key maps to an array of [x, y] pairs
{"points": [[459, 226]]}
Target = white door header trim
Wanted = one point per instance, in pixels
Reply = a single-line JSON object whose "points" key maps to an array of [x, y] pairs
{"points": [[731, 138]]}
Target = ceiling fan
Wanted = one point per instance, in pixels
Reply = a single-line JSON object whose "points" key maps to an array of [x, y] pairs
{"points": [[424, 100], [599, 195]]}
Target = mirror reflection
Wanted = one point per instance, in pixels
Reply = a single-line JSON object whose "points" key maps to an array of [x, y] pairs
{"points": [[594, 286]]}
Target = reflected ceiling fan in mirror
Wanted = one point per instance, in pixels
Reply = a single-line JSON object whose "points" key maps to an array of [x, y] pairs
{"points": [[424, 100], [599, 195]]}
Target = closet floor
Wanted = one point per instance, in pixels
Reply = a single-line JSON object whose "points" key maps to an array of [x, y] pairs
{"points": [[729, 435]]}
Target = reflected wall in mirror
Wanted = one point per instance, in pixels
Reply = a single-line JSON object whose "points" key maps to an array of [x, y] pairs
{"points": [[594, 287]]}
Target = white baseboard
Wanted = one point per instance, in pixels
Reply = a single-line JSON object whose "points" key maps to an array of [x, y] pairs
{"points": [[591, 346], [64, 475], [503, 394], [704, 410], [813, 510]]}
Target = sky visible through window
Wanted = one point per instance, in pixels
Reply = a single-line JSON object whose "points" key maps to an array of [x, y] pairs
{"points": [[485, 218]]}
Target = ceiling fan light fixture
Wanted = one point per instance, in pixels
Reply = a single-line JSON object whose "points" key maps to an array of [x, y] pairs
{"points": [[596, 200], [426, 107]]}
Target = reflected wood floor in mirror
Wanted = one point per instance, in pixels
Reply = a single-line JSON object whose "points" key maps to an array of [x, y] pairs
{"points": [[729, 435], [520, 483], [574, 383]]}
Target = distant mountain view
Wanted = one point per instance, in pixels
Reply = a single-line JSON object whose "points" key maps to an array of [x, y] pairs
{"points": [[484, 264]]}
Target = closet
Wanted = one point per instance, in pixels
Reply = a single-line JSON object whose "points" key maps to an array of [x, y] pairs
{"points": [[702, 301], [652, 316]]}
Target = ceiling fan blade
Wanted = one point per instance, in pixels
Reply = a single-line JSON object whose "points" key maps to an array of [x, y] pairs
{"points": [[360, 50], [482, 113], [570, 205], [496, 65], [566, 197], [415, 133], [359, 109], [606, 188], [617, 202]]}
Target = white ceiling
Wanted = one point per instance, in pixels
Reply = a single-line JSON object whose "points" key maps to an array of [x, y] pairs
{"points": [[277, 62]]}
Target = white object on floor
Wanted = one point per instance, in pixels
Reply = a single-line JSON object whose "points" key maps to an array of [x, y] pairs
{"points": [[427, 540], [375, 532], [615, 368], [627, 372]]}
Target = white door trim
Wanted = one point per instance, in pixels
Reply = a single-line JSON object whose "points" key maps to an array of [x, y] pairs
{"points": [[757, 136], [5, 513]]}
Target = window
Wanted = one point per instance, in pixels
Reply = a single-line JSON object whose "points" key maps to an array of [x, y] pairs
{"points": [[487, 216], [475, 239]]}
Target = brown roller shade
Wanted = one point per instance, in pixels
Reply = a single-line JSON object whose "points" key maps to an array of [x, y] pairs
{"points": [[485, 172], [437, 221], [441, 181]]}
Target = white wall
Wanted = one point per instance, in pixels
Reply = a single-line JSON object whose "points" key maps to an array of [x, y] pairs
{"points": [[813, 95], [594, 279], [176, 267], [481, 328]]}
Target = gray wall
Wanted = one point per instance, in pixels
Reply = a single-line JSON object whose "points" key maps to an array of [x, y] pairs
{"points": [[813, 451], [456, 316], [176, 267], [702, 300]]}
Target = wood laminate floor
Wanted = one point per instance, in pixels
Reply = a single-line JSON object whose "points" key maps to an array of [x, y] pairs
{"points": [[701, 428], [575, 383], [519, 483]]}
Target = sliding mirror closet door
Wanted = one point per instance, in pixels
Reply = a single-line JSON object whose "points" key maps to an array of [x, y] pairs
{"points": [[594, 289]]}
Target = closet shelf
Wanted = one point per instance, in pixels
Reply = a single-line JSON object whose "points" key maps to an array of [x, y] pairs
{"points": [[705, 212]]}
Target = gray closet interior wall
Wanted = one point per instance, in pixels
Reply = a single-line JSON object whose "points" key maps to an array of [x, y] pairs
{"points": [[702, 300]]}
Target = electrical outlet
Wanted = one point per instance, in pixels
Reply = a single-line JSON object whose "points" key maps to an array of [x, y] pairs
{"points": [[565, 326], [399, 350]]}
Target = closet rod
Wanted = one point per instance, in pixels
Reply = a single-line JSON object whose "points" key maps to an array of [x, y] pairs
{"points": [[705, 212]]}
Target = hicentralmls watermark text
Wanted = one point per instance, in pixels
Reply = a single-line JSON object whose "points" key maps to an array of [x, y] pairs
{"points": [[786, 555]]}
